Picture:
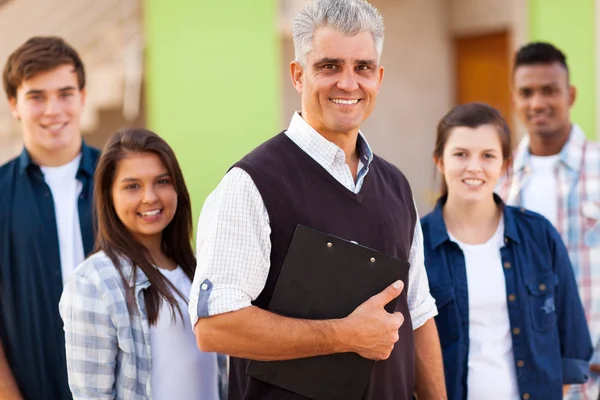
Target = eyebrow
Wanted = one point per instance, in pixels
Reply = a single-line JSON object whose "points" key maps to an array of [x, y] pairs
{"points": [[340, 61], [40, 91], [550, 84], [327, 60], [130, 179], [464, 149], [366, 62]]}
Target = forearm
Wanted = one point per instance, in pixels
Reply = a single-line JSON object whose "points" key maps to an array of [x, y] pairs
{"points": [[429, 368], [8, 386], [257, 334]]}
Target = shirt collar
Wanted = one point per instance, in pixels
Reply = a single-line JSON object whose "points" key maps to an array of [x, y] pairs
{"points": [[320, 149], [438, 233], [141, 280], [570, 154], [86, 165]]}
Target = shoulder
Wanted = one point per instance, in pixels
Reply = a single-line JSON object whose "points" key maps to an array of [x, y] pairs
{"points": [[592, 154], [7, 170], [269, 149], [386, 165], [592, 145], [529, 223], [94, 153], [7, 176], [522, 215], [389, 171], [99, 272], [426, 221], [91, 155]]}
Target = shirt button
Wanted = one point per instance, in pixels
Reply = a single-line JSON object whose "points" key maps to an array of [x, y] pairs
{"points": [[516, 331], [506, 240], [542, 287], [526, 396], [520, 363], [204, 286], [522, 209], [507, 265], [511, 297]]}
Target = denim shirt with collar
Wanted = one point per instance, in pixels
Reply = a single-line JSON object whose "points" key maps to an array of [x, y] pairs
{"points": [[31, 279], [552, 344]]}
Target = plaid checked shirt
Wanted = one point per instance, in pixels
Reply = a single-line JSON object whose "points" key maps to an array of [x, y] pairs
{"points": [[578, 221], [108, 348]]}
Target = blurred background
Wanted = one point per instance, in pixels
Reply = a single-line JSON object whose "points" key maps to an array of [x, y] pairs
{"points": [[212, 77]]}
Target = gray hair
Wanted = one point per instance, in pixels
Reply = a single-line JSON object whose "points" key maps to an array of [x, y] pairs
{"points": [[346, 16]]}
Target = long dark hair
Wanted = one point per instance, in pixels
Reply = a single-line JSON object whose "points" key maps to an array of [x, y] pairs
{"points": [[115, 240], [472, 115]]}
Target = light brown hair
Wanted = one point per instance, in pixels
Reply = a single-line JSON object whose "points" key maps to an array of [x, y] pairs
{"points": [[39, 54], [472, 115]]}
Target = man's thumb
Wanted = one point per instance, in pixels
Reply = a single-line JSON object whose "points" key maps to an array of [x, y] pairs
{"points": [[389, 293]]}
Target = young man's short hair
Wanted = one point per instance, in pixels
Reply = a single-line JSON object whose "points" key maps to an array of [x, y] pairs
{"points": [[39, 54], [539, 53]]}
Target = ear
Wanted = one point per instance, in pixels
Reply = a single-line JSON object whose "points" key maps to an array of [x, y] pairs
{"points": [[297, 75], [513, 98], [12, 103], [572, 95], [380, 74], [83, 96], [439, 165], [505, 166]]}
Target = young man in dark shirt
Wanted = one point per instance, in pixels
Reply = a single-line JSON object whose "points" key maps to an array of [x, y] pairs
{"points": [[46, 225]]}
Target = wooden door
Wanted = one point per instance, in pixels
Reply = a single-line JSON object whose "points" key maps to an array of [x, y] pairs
{"points": [[483, 71]]}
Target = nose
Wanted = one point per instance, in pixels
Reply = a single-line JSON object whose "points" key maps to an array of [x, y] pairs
{"points": [[347, 81], [52, 106], [150, 196], [473, 165], [537, 102]]}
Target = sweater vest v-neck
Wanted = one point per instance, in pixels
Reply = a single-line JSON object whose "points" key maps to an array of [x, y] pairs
{"points": [[297, 190]]}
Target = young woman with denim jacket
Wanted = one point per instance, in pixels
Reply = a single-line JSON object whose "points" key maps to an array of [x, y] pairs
{"points": [[510, 320]]}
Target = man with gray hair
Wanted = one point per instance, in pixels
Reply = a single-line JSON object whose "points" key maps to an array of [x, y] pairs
{"points": [[321, 173]]}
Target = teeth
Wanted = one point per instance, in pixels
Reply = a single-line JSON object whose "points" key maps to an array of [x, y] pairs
{"points": [[341, 101], [54, 127], [473, 182], [150, 213]]}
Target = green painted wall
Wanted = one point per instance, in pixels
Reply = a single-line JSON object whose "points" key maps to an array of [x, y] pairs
{"points": [[212, 83], [569, 24]]}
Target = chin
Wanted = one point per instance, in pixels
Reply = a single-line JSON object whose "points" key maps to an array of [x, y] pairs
{"points": [[476, 197], [544, 131]]}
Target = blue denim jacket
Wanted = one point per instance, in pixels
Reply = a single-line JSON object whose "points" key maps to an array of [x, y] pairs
{"points": [[552, 346]]}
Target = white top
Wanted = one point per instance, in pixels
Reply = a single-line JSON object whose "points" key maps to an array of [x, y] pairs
{"points": [[491, 373], [65, 189], [179, 369], [539, 194], [233, 245]]}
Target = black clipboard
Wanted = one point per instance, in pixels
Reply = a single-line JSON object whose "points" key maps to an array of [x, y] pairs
{"points": [[326, 277]]}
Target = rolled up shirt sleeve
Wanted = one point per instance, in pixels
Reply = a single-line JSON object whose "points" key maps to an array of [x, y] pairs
{"points": [[233, 248], [420, 302]]}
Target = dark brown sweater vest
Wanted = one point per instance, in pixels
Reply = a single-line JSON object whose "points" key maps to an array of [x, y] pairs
{"points": [[297, 190]]}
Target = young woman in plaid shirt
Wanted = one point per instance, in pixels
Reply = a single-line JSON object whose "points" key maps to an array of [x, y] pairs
{"points": [[126, 333]]}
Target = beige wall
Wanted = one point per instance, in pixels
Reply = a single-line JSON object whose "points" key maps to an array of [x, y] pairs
{"points": [[417, 90]]}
